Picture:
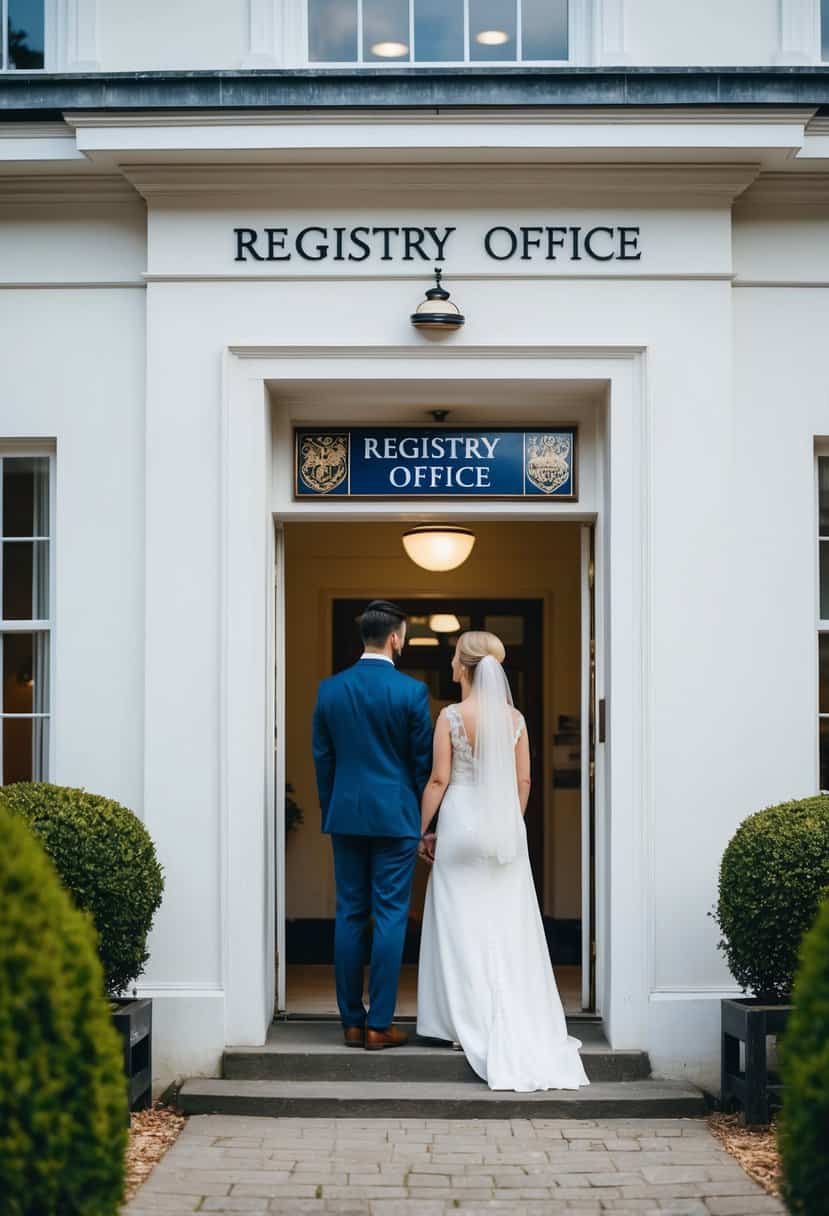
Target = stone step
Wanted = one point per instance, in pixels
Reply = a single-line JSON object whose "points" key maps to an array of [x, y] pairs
{"points": [[314, 1051], [430, 1100]]}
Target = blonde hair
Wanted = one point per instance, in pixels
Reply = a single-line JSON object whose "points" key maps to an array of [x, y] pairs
{"points": [[477, 644]]}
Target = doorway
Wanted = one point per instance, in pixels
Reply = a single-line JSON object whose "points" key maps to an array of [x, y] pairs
{"points": [[331, 570]]}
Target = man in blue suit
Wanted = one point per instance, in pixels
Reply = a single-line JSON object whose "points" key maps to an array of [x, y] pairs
{"points": [[373, 756]]}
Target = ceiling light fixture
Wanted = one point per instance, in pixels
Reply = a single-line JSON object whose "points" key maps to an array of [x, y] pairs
{"points": [[444, 622], [438, 547], [492, 37], [390, 50]]}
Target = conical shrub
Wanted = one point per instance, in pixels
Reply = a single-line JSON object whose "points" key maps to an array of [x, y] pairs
{"points": [[63, 1096], [804, 1069]]}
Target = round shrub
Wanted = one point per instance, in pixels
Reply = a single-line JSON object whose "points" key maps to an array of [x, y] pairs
{"points": [[773, 875], [63, 1097], [106, 860], [803, 1133]]}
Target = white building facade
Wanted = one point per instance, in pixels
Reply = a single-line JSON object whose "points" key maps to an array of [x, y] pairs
{"points": [[215, 222]]}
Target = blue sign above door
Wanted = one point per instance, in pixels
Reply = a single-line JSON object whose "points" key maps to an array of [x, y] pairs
{"points": [[435, 462]]}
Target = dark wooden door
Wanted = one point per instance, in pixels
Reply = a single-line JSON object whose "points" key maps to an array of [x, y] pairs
{"points": [[428, 654]]}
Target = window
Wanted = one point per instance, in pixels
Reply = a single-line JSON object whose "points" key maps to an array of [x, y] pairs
{"points": [[823, 616], [25, 622], [381, 32], [23, 34], [824, 29]]}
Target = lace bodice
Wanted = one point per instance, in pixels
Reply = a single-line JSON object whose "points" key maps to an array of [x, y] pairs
{"points": [[463, 756]]}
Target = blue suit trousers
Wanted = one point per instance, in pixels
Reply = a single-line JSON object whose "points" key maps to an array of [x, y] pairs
{"points": [[374, 879]]}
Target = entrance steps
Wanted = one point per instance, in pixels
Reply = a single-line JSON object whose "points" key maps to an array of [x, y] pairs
{"points": [[304, 1070]]}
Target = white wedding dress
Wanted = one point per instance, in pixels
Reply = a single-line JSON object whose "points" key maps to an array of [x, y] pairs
{"points": [[484, 977]]}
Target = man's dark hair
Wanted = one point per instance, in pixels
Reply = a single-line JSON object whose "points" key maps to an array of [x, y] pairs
{"points": [[380, 619]]}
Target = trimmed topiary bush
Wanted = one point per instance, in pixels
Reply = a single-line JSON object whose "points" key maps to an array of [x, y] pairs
{"points": [[62, 1085], [106, 860], [803, 1133], [773, 875]]}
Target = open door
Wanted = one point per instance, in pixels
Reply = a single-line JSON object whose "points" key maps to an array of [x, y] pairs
{"points": [[279, 757], [588, 769]]}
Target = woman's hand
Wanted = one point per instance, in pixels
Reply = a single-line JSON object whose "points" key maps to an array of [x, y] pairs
{"points": [[426, 848]]}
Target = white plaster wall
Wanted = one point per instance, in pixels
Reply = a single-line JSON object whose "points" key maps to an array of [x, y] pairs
{"points": [[74, 242], [182, 36], [73, 372], [781, 405], [705, 32]]}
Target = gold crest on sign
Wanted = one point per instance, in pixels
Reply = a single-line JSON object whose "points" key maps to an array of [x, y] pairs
{"points": [[323, 462], [548, 461]]}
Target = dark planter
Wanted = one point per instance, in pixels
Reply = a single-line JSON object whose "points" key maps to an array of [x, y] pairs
{"points": [[748, 1021], [134, 1022]]}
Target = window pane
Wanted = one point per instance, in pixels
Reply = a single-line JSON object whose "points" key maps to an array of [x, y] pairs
{"points": [[823, 490], [26, 496], [25, 580], [824, 580], [385, 31], [510, 629], [25, 749], [492, 29], [25, 673], [544, 29], [824, 753], [332, 31], [26, 34], [438, 28], [824, 29], [823, 700]]}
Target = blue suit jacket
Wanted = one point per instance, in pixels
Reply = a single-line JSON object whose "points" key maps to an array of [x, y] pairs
{"points": [[372, 750]]}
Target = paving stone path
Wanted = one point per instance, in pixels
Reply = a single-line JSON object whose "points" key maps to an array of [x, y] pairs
{"points": [[433, 1167]]}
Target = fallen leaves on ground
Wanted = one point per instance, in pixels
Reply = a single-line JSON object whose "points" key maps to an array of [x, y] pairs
{"points": [[754, 1147], [152, 1132]]}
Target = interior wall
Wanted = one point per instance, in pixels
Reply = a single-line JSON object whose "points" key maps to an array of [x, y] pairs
{"points": [[325, 561]]}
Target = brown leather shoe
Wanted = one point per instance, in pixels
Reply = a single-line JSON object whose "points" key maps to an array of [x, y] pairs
{"points": [[378, 1040], [354, 1036]]}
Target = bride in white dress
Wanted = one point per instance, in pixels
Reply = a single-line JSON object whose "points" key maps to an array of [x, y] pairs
{"points": [[484, 977]]}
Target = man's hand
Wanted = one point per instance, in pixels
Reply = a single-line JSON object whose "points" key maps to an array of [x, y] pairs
{"points": [[426, 848]]}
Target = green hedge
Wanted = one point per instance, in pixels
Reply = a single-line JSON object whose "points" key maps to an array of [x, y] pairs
{"points": [[63, 1095], [804, 1066], [774, 873], [106, 860]]}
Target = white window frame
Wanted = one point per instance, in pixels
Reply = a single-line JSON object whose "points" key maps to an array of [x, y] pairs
{"points": [[46, 625], [821, 453], [578, 37]]}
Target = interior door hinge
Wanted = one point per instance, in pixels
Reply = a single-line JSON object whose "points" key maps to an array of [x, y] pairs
{"points": [[602, 720]]}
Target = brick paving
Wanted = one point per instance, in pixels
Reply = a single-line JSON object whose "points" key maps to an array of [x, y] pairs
{"points": [[433, 1167]]}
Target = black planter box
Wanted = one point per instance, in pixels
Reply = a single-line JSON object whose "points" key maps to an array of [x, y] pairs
{"points": [[748, 1021], [134, 1022]]}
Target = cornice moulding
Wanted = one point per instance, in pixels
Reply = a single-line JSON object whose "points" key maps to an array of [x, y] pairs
{"points": [[633, 115], [653, 183], [772, 190], [35, 130], [64, 188]]}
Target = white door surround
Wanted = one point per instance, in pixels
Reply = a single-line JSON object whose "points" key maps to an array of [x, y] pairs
{"points": [[255, 466]]}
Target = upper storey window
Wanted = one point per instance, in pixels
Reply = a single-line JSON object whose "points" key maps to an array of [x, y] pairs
{"points": [[381, 32], [23, 34]]}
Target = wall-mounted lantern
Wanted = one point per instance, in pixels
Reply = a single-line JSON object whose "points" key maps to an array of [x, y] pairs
{"points": [[437, 313]]}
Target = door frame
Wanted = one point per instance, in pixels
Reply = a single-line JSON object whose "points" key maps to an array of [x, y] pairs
{"points": [[255, 487]]}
